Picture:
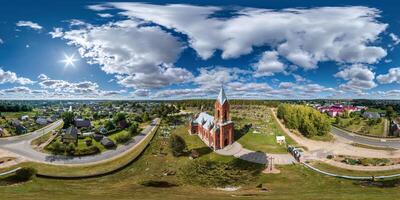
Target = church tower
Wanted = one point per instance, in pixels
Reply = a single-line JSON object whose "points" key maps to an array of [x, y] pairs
{"points": [[222, 107], [224, 135]]}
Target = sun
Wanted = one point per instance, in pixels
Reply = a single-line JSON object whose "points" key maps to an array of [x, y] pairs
{"points": [[69, 60]]}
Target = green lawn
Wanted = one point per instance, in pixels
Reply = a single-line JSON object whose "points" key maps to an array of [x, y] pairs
{"points": [[363, 128], [294, 182], [262, 135]]}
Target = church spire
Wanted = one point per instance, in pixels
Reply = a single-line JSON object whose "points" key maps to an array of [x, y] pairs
{"points": [[222, 97]]}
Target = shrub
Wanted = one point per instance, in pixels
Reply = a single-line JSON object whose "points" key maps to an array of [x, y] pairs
{"points": [[177, 145], [122, 137], [25, 174], [87, 151], [133, 129]]}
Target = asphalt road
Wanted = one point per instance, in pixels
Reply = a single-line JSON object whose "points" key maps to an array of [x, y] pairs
{"points": [[386, 143], [22, 146]]}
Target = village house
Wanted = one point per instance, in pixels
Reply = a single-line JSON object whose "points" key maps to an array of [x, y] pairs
{"points": [[338, 109], [371, 115], [82, 123], [215, 131], [70, 135]]}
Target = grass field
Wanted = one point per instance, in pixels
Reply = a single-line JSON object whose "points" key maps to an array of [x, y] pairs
{"points": [[294, 181], [262, 134], [361, 127]]}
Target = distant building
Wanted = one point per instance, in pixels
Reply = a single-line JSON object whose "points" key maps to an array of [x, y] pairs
{"points": [[338, 109], [82, 123], [20, 129], [41, 121], [371, 115], [24, 117], [216, 131], [395, 129]]}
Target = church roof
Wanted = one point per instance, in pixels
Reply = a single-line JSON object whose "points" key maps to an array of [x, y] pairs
{"points": [[221, 96], [205, 120]]}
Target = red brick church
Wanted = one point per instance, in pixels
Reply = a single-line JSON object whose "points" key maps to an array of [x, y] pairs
{"points": [[216, 131]]}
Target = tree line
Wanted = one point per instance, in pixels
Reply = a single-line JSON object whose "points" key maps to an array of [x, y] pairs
{"points": [[12, 107], [308, 121]]}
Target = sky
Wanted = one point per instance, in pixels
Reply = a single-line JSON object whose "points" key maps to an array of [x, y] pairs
{"points": [[188, 49]]}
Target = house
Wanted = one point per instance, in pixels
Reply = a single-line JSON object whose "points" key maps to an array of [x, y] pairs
{"points": [[395, 129], [371, 115], [70, 135], [97, 137], [20, 129], [107, 142], [16, 123], [82, 123], [41, 121], [122, 124], [215, 131], [103, 130], [24, 117]]}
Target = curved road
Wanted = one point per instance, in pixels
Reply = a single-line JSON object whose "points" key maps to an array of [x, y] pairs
{"points": [[22, 146], [385, 143]]}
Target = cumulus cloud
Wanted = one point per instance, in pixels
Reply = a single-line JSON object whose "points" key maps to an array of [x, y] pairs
{"points": [[392, 76], [29, 24], [359, 77], [141, 56], [268, 64], [11, 77], [105, 15], [24, 90], [395, 38], [1, 41], [56, 33], [43, 77], [141, 93], [302, 36]]}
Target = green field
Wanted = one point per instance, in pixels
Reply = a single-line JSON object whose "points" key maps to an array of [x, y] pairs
{"points": [[294, 181], [361, 127], [262, 135]]}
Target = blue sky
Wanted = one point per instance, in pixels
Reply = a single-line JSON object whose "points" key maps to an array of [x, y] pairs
{"points": [[186, 49]]}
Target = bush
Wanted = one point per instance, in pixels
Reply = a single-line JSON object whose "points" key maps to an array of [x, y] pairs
{"points": [[122, 137], [25, 174], [87, 151], [134, 129], [177, 145]]}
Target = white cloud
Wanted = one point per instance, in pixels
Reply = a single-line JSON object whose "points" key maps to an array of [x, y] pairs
{"points": [[141, 56], [268, 64], [286, 85], [358, 77], [1, 41], [11, 77], [302, 36], [392, 76], [29, 24], [395, 38], [141, 93], [17, 90], [105, 15], [56, 33], [43, 77]]}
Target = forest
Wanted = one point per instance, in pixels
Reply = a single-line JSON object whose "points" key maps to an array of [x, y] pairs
{"points": [[308, 121]]}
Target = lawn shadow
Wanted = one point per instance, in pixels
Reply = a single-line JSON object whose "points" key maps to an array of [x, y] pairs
{"points": [[242, 131], [202, 151]]}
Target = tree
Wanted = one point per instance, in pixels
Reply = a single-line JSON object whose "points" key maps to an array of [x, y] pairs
{"points": [[177, 145], [133, 129], [109, 125], [391, 113], [119, 117], [68, 118], [25, 173]]}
